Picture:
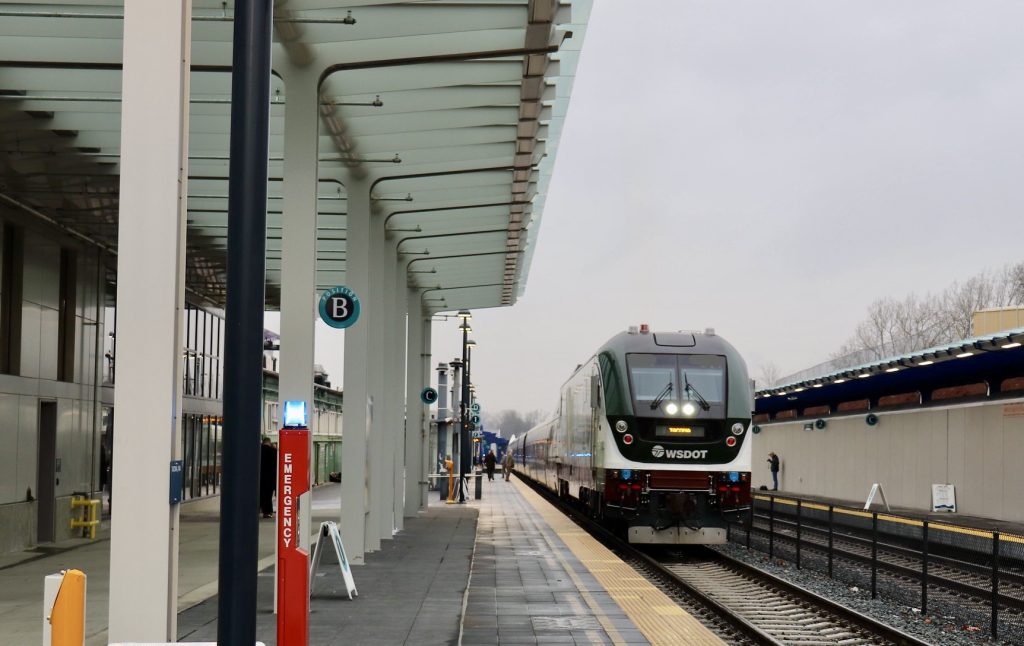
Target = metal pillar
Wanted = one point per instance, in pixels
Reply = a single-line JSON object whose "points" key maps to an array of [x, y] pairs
{"points": [[243, 338], [355, 475], [390, 391], [298, 251], [415, 361], [150, 306], [456, 424], [465, 449], [442, 419]]}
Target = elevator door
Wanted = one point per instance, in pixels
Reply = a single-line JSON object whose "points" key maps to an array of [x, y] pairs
{"points": [[46, 484]]}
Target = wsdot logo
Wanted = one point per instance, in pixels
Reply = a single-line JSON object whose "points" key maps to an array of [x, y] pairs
{"points": [[659, 451]]}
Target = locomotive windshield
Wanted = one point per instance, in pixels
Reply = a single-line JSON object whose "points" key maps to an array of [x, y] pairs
{"points": [[664, 382]]}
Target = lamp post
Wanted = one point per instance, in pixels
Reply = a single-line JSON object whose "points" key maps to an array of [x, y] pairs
{"points": [[470, 397], [464, 449]]}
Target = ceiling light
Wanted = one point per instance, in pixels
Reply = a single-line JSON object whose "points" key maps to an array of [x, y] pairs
{"points": [[1010, 345], [798, 390], [964, 355], [839, 381], [863, 374], [926, 363], [816, 386], [893, 369]]}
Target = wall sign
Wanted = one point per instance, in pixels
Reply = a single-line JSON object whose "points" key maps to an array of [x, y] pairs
{"points": [[428, 395], [339, 307]]}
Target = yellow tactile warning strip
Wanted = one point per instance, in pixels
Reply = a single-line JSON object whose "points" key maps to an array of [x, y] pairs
{"points": [[659, 618], [902, 520]]}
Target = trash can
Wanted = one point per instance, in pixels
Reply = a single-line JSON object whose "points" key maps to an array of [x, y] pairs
{"points": [[478, 490]]}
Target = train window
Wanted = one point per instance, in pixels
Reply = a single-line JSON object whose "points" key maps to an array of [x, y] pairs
{"points": [[653, 376]]}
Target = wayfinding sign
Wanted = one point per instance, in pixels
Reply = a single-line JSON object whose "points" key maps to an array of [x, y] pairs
{"points": [[339, 307], [475, 407], [428, 395]]}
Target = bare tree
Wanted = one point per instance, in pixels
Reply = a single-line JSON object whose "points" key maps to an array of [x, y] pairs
{"points": [[895, 326], [768, 375]]}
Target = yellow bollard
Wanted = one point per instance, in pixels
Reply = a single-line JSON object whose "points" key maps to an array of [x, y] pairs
{"points": [[67, 620]]}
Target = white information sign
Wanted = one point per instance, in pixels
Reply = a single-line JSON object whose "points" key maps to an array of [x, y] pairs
{"points": [[329, 531], [943, 498], [876, 490]]}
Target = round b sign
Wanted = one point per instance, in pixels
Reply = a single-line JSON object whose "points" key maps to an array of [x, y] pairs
{"points": [[339, 307]]}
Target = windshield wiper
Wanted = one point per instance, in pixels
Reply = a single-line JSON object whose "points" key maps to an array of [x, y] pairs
{"points": [[660, 398], [690, 389]]}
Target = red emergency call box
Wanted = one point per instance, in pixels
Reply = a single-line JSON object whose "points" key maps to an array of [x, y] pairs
{"points": [[292, 560]]}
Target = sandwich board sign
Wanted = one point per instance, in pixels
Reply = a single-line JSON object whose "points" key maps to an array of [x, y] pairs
{"points": [[329, 531], [876, 490], [943, 498]]}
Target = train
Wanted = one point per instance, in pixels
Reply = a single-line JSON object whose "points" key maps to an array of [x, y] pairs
{"points": [[651, 437]]}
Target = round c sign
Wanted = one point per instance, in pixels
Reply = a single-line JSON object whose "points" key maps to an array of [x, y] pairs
{"points": [[339, 307]]}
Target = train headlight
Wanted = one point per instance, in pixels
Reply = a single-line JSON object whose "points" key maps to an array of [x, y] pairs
{"points": [[671, 408], [689, 408], [737, 429], [621, 426]]}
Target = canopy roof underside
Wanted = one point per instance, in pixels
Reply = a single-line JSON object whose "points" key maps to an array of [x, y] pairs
{"points": [[457, 105]]}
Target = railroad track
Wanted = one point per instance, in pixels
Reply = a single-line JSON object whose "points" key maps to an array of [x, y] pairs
{"points": [[953, 576], [784, 613], [744, 604]]}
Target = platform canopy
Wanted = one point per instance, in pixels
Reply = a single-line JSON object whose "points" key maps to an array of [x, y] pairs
{"points": [[458, 104]]}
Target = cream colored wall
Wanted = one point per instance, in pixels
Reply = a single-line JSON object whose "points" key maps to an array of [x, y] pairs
{"points": [[978, 448]]}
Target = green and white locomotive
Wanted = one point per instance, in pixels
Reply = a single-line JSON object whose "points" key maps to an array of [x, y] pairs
{"points": [[651, 436]]}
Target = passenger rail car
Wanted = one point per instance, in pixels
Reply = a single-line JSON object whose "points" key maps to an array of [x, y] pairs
{"points": [[651, 435]]}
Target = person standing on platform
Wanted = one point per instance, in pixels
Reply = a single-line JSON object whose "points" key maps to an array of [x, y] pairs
{"points": [[449, 466], [268, 477], [773, 461], [506, 465], [489, 462]]}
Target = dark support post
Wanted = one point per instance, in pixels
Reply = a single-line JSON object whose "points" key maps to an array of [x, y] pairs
{"points": [[798, 507], [243, 339], [750, 522], [831, 531], [771, 527], [874, 555], [924, 567], [995, 585]]}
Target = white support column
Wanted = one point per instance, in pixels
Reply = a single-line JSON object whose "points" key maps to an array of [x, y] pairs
{"points": [[427, 458], [150, 304], [356, 423], [379, 471], [402, 468], [385, 433], [298, 249], [416, 360]]}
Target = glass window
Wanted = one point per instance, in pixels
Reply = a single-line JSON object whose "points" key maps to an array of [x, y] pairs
{"points": [[653, 376]]}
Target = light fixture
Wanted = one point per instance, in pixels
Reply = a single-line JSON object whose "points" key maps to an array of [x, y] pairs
{"points": [[1010, 345], [964, 355], [621, 426], [815, 385], [671, 408], [863, 375], [689, 408], [799, 390], [464, 315], [893, 369], [926, 363], [840, 380], [737, 428]]}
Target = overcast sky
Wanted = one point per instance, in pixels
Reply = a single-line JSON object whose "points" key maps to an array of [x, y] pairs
{"points": [[764, 168]]}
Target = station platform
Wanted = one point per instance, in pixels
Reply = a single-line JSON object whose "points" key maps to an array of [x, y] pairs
{"points": [[506, 569]]}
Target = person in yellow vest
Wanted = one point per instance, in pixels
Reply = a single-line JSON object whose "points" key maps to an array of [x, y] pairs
{"points": [[449, 466]]}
